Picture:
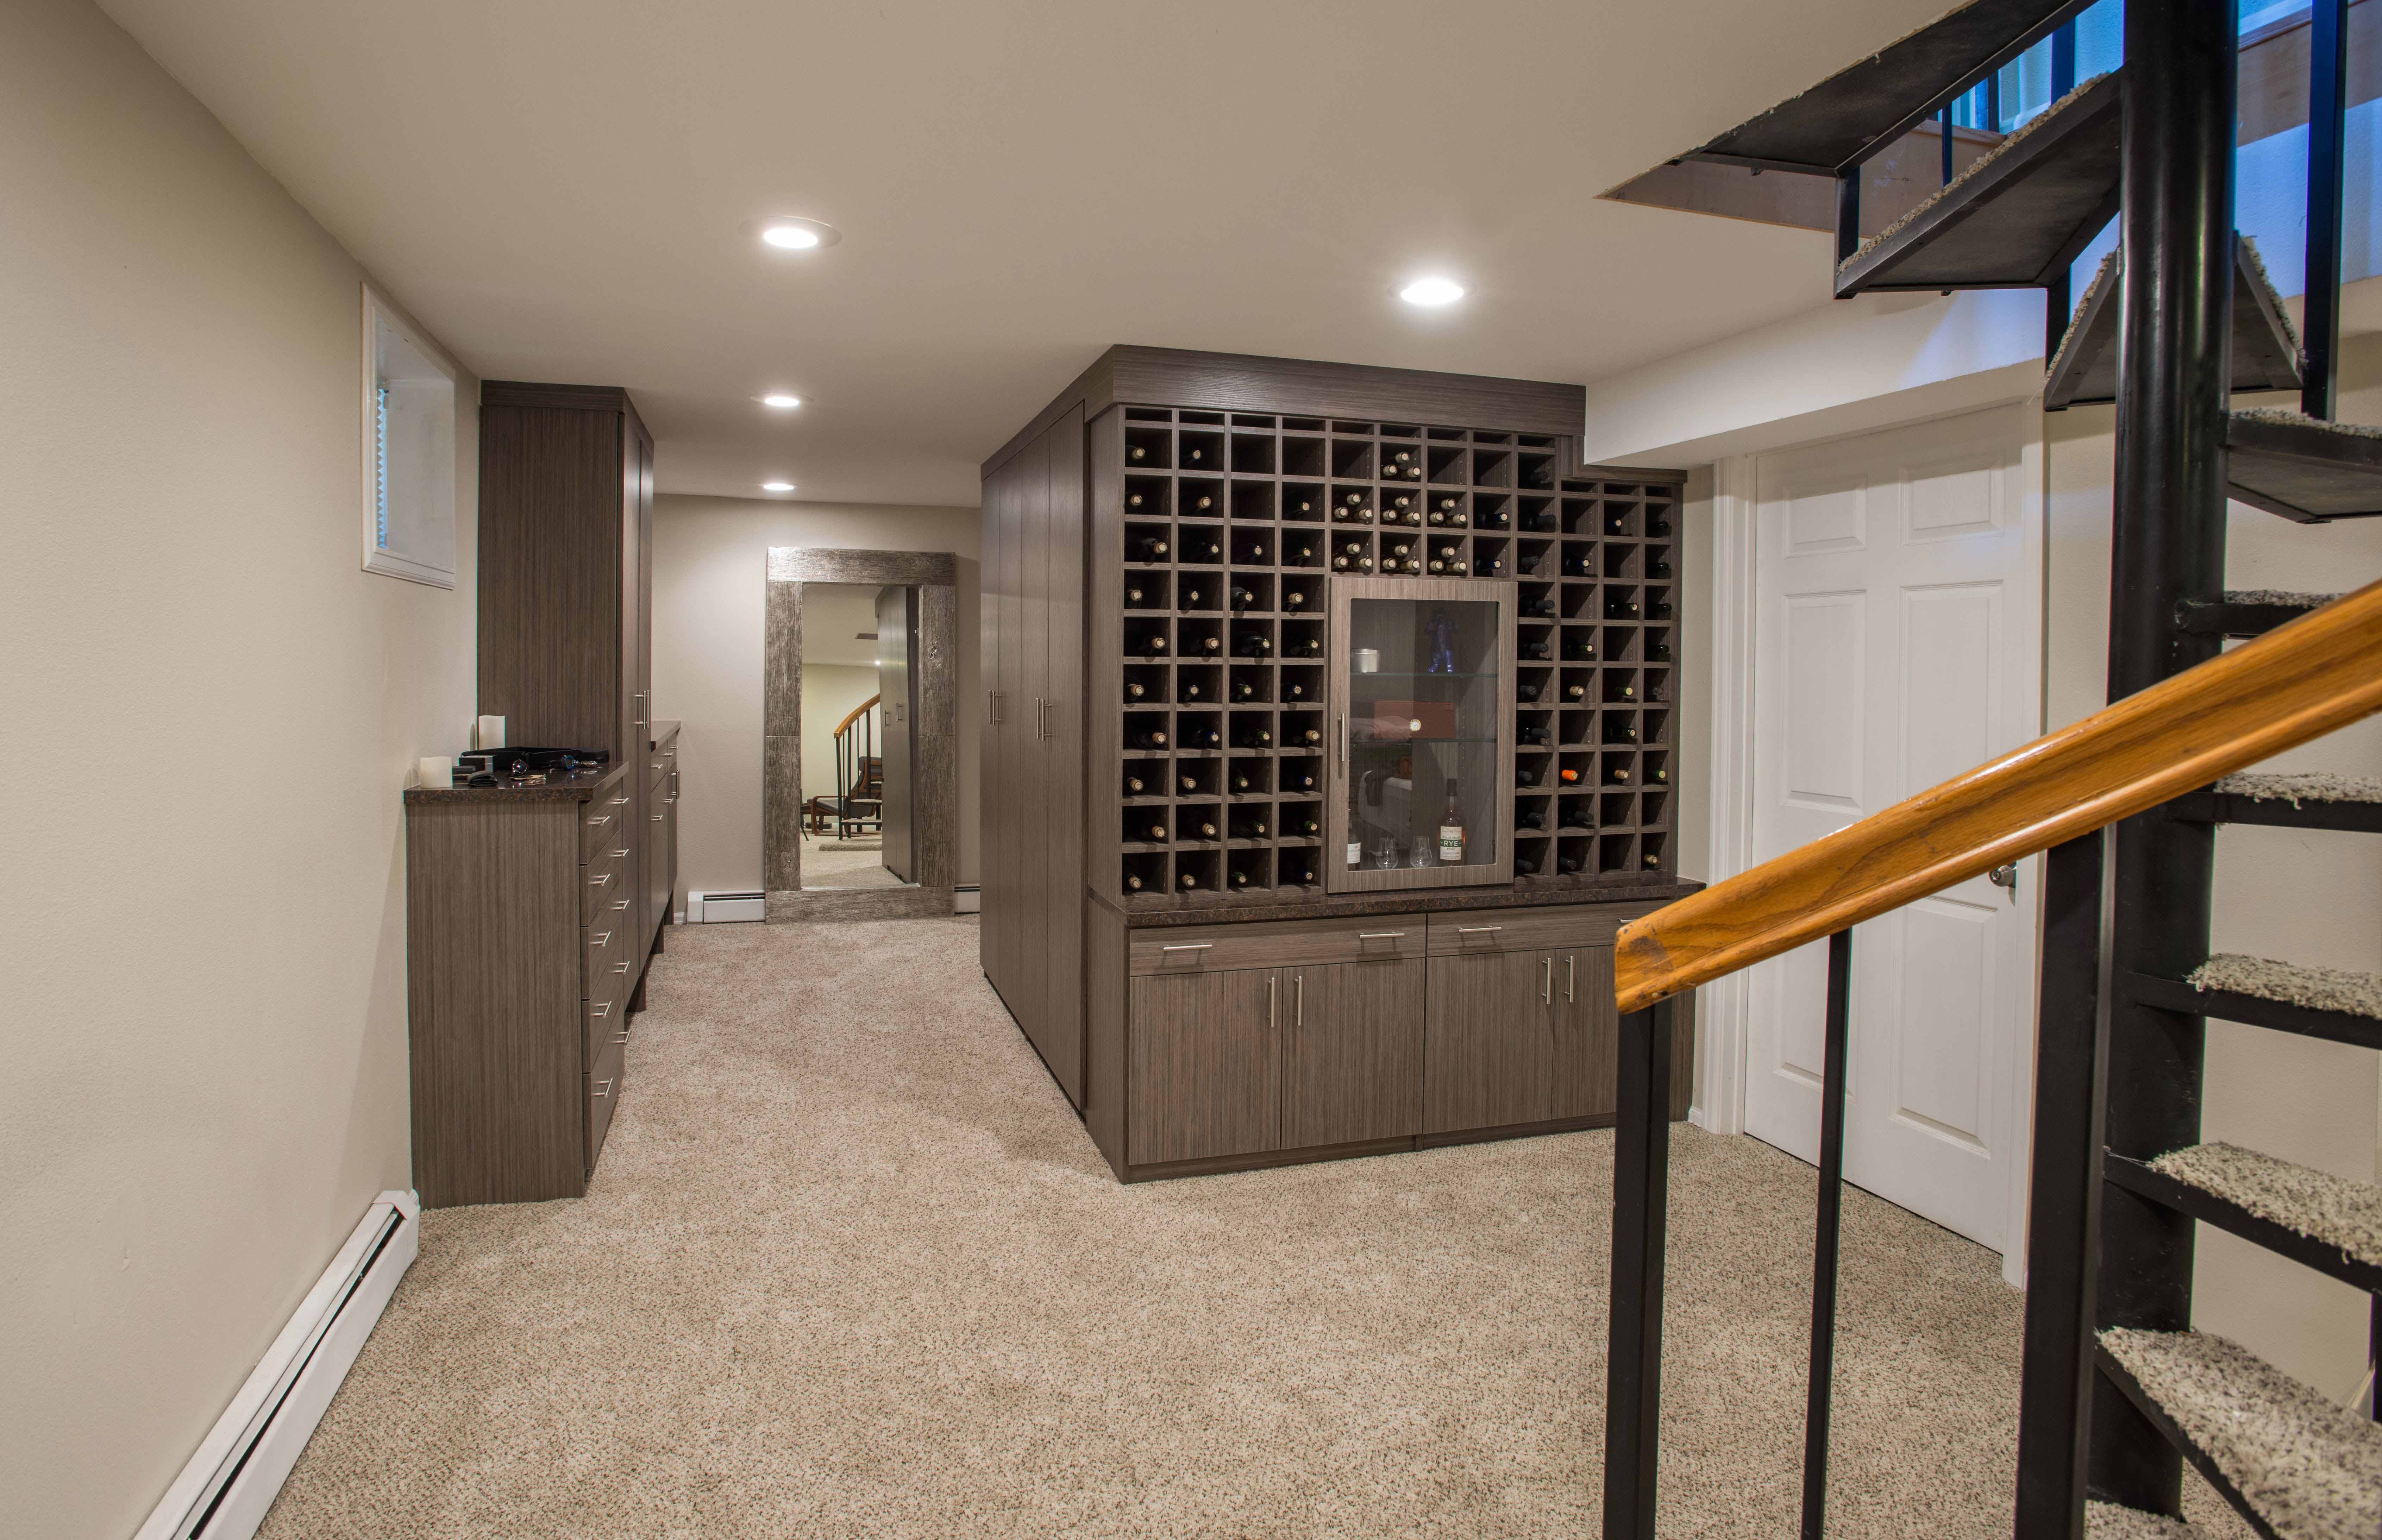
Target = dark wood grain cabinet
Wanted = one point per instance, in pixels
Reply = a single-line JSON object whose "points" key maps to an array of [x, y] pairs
{"points": [[1183, 703]]}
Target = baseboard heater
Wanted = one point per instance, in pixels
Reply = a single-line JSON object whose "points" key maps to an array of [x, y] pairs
{"points": [[712, 909], [223, 1493], [967, 898]]}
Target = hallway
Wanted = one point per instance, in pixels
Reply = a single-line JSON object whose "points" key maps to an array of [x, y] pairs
{"points": [[850, 1273]]}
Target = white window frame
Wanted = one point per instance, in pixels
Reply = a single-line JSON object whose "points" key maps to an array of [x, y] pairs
{"points": [[417, 541]]}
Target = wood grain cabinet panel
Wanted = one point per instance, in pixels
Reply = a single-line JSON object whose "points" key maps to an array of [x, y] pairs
{"points": [[1490, 1057], [1206, 1070], [1352, 1053], [1585, 1035]]}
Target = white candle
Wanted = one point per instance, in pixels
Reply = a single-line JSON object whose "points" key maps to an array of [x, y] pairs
{"points": [[435, 770]]}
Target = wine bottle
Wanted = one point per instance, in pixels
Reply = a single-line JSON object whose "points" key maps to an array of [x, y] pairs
{"points": [[1240, 878], [1580, 649], [1240, 783], [1401, 458], [1148, 738], [1253, 644], [1526, 866], [1659, 568], [1192, 456], [1189, 690], [1134, 692], [1206, 829], [1620, 732], [1190, 595], [1662, 609], [1305, 877], [1313, 646], [1306, 507], [1399, 547], [1132, 596], [1137, 453], [1629, 691], [1207, 738], [1295, 598], [1451, 829], [1572, 861], [1437, 565], [1311, 736], [1537, 735], [1154, 644], [1244, 690], [1253, 828], [1400, 502], [1660, 529], [1310, 827], [1133, 500], [1660, 774], [1489, 566], [1213, 552], [1575, 818], [1355, 500], [1186, 880], [1190, 783], [1256, 737], [1241, 598], [1617, 776], [1574, 692], [1364, 564], [1569, 775], [1155, 834], [1536, 648], [1535, 820], [1211, 642], [1661, 652], [1618, 608], [1526, 691], [1526, 776], [1150, 548], [1652, 859], [1340, 564], [1254, 554], [1133, 786], [1293, 691], [1304, 553], [1132, 883], [1543, 605], [1301, 780]]}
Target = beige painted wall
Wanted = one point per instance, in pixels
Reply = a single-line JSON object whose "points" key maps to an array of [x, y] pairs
{"points": [[2304, 898], [710, 558], [829, 690], [212, 711]]}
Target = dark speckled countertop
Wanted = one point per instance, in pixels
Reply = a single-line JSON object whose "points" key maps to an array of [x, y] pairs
{"points": [[1220, 910], [554, 788]]}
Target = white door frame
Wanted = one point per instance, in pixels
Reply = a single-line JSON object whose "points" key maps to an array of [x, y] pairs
{"points": [[1721, 1007]]}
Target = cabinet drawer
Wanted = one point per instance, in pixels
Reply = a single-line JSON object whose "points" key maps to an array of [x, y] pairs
{"points": [[1515, 930], [600, 822], [606, 1025], [603, 884], [1273, 944], [603, 1083], [607, 954]]}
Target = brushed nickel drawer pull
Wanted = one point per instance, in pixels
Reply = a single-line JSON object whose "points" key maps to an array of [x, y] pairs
{"points": [[1379, 935], [598, 882], [603, 938], [1571, 978], [1274, 999], [1477, 930], [657, 817], [620, 801], [620, 855], [603, 1088], [599, 823], [603, 1010], [1189, 947], [1547, 985], [619, 968], [1298, 1003], [621, 903], [622, 1038]]}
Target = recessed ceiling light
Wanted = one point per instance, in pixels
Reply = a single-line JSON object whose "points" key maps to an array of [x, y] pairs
{"points": [[781, 401], [799, 235], [1432, 292], [777, 486]]}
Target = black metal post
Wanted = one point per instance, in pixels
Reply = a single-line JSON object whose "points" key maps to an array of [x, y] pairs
{"points": [[1641, 1175], [1848, 211], [1826, 1242], [2063, 1224], [2167, 528], [2059, 296], [2328, 123]]}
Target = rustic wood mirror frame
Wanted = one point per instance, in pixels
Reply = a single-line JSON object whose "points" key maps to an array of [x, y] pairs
{"points": [[935, 735]]}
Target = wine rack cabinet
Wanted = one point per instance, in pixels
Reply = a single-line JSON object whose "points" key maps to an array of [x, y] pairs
{"points": [[1229, 527]]}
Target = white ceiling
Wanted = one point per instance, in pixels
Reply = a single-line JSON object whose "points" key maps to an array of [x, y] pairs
{"points": [[565, 190], [834, 616]]}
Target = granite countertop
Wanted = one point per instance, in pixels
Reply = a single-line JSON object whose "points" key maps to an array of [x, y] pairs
{"points": [[663, 732], [1219, 909], [579, 787]]}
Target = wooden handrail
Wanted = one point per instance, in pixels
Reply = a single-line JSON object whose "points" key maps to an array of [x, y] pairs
{"points": [[2300, 681], [856, 713]]}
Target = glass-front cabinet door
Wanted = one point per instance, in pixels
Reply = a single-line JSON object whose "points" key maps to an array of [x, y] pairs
{"points": [[1422, 687]]}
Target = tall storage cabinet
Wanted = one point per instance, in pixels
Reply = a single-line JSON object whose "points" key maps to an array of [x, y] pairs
{"points": [[566, 586], [1319, 700], [1032, 754]]}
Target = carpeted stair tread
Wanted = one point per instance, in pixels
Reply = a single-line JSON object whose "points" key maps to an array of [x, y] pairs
{"points": [[2073, 338], [2109, 1521], [2339, 1211], [2255, 261], [1957, 186], [2291, 984], [2311, 1470], [2321, 785], [2289, 419]]}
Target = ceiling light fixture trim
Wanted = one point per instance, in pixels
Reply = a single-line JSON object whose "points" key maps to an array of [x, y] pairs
{"points": [[777, 486], [1432, 292], [790, 233]]}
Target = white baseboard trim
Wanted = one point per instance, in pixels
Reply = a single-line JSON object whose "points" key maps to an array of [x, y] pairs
{"points": [[968, 899], [225, 1490]]}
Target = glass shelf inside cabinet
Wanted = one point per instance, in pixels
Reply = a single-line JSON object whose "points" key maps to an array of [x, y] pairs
{"points": [[1424, 701]]}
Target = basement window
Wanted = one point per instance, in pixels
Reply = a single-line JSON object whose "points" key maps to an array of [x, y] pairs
{"points": [[409, 450]]}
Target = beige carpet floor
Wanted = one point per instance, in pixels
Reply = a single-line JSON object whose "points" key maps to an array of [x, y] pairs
{"points": [[829, 863], [854, 1271]]}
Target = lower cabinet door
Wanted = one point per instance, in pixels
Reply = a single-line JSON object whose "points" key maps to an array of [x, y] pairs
{"points": [[1587, 1035], [1489, 1045], [603, 1083], [1205, 1071], [1351, 1052]]}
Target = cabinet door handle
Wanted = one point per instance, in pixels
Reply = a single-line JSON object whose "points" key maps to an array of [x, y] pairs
{"points": [[1571, 978], [1189, 947], [1274, 999], [992, 706], [1042, 728], [1379, 935], [1298, 1003], [1477, 930], [1344, 745], [1547, 985]]}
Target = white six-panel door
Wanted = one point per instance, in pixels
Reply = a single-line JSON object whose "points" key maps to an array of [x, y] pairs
{"points": [[1898, 582]]}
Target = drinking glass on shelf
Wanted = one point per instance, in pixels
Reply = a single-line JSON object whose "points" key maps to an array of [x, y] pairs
{"points": [[1386, 853]]}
